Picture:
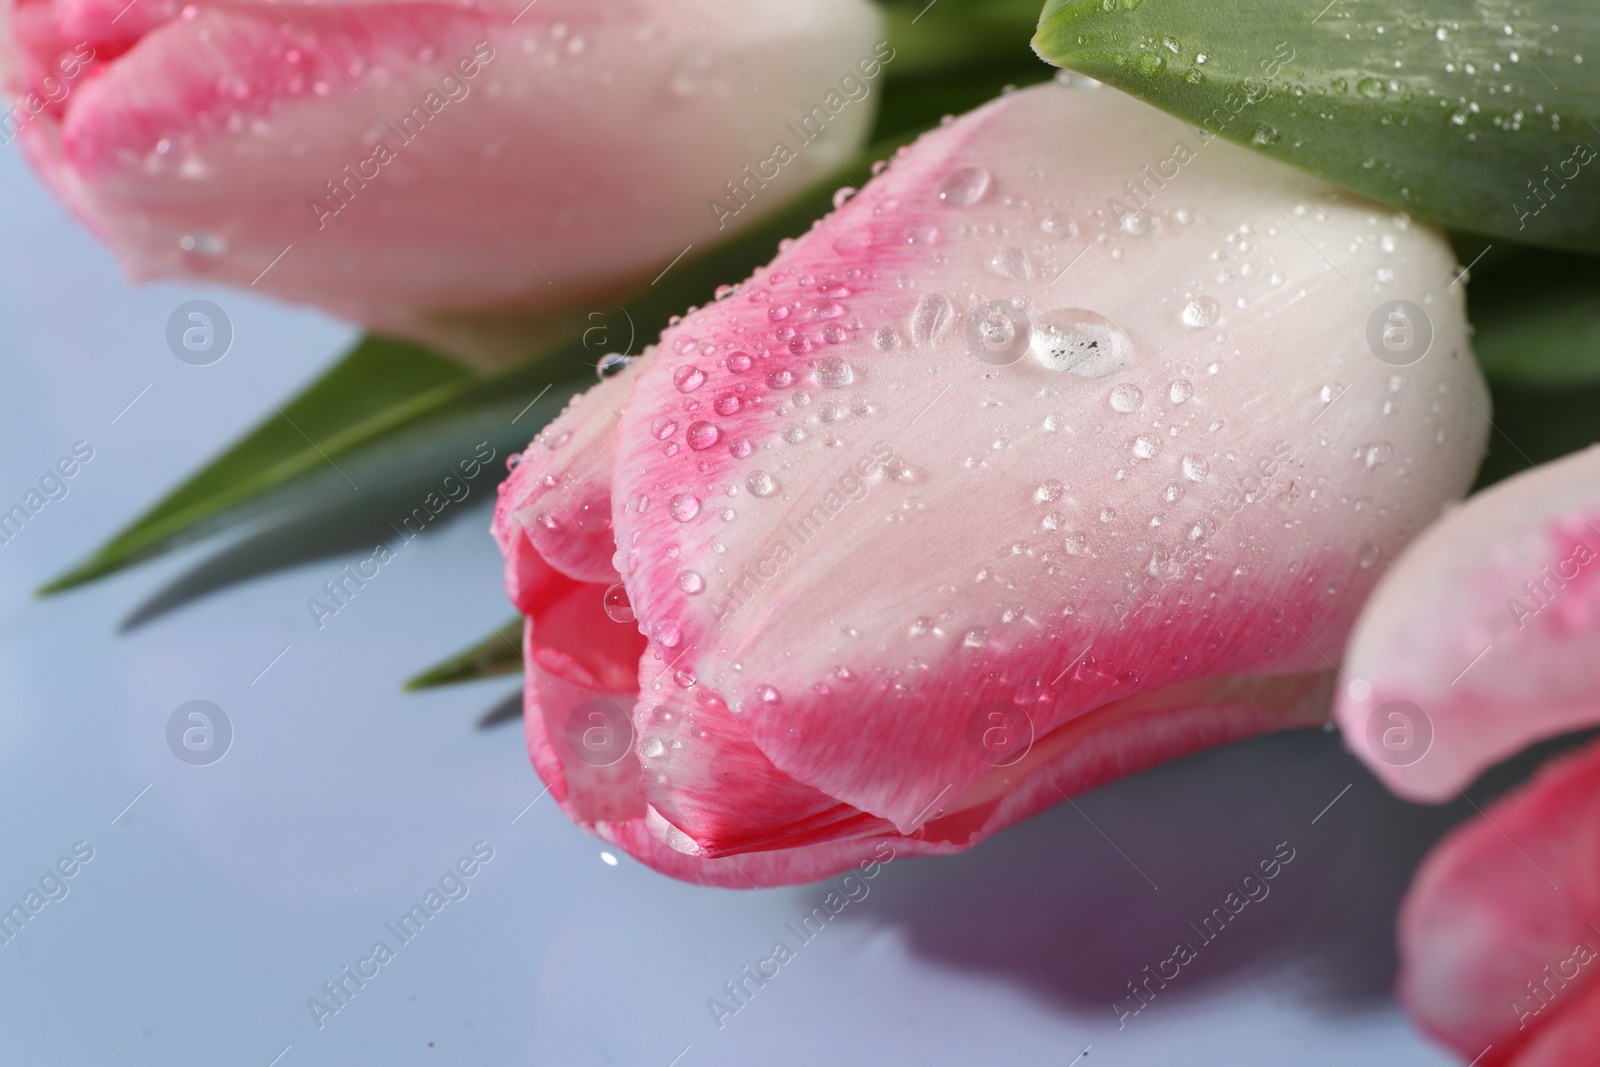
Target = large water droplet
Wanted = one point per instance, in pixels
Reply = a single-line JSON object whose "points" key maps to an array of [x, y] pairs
{"points": [[760, 483], [1080, 342], [1126, 399], [617, 606], [688, 378], [964, 187], [684, 507], [702, 435], [1201, 312], [929, 318], [611, 365], [832, 373], [1195, 466]]}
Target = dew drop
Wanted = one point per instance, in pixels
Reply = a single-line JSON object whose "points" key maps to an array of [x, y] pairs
{"points": [[1182, 389], [964, 187], [1126, 399], [690, 582], [929, 318], [760, 483], [702, 435], [617, 606], [1146, 446], [1201, 312], [684, 507], [728, 404], [832, 373], [611, 365], [1195, 466], [1080, 342], [688, 378], [663, 427]]}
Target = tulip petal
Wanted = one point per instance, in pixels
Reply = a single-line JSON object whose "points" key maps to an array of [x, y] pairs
{"points": [[867, 536], [407, 163], [1500, 934], [1483, 637], [716, 790], [559, 496]]}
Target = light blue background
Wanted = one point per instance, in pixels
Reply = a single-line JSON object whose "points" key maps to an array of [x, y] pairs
{"points": [[220, 901]]}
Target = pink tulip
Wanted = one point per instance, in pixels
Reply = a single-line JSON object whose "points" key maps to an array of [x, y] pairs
{"points": [[1057, 451], [1500, 935], [1482, 639], [418, 168]]}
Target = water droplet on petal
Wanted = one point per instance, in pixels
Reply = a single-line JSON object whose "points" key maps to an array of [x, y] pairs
{"points": [[702, 435], [1080, 342], [760, 483], [1201, 312], [684, 507], [929, 318], [832, 373], [617, 606], [964, 187], [688, 378], [1126, 399]]}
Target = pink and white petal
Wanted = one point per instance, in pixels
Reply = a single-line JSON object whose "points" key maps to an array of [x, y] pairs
{"points": [[590, 786], [716, 792], [860, 535], [761, 870], [1125, 737], [1570, 1039], [559, 495], [1501, 899], [1488, 627], [577, 157]]}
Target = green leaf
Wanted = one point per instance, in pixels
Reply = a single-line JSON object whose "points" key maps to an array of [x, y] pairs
{"points": [[389, 409], [377, 377], [498, 654], [1536, 320], [1457, 110]]}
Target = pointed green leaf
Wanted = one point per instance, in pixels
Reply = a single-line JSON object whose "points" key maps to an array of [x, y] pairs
{"points": [[1476, 114], [498, 654], [376, 377], [389, 405]]}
